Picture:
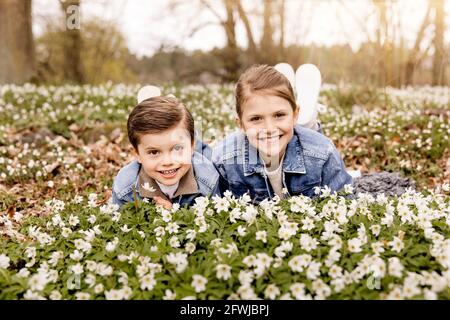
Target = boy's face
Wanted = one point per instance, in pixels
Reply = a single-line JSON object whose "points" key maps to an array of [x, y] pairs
{"points": [[166, 156], [268, 121]]}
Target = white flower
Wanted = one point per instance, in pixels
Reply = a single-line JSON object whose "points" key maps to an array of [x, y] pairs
{"points": [[179, 260], [125, 228], [348, 188], [189, 247], [65, 232], [313, 270], [172, 227], [397, 244], [148, 187], [220, 204], [446, 187], [38, 281], [4, 261], [199, 283], [335, 271], [147, 282], [73, 220], [223, 271], [50, 184], [114, 294], [191, 234], [76, 255], [261, 235], [77, 268], [271, 292], [55, 295], [395, 267], [307, 242], [169, 295], [174, 242], [298, 290], [92, 219], [241, 231], [82, 296], [376, 229], [298, 263], [99, 288], [23, 273], [245, 277], [354, 245]]}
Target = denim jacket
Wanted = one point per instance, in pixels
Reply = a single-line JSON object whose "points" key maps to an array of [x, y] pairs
{"points": [[203, 172], [311, 160]]}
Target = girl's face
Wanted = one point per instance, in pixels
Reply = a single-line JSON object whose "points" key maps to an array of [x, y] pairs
{"points": [[268, 121]]}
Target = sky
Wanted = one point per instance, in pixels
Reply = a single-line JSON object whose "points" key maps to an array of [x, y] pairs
{"points": [[147, 24]]}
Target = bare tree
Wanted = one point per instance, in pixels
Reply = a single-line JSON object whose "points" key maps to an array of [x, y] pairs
{"points": [[252, 48], [231, 53], [439, 63], [72, 41], [17, 63], [415, 56], [267, 46]]}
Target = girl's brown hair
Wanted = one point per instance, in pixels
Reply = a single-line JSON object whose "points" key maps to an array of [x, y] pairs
{"points": [[263, 79], [155, 115]]}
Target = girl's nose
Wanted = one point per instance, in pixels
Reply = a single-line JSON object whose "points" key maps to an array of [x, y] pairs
{"points": [[269, 126]]}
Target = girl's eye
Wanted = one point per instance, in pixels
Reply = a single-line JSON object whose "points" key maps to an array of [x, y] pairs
{"points": [[178, 148], [279, 115], [253, 119]]}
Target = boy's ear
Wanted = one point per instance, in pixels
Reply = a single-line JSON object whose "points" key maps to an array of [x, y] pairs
{"points": [[136, 155]]}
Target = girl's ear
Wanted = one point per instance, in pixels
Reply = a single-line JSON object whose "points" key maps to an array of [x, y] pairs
{"points": [[238, 122], [296, 113]]}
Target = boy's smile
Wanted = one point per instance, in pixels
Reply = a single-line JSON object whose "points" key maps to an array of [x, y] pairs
{"points": [[166, 156]]}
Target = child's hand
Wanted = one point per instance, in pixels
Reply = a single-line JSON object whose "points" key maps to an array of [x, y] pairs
{"points": [[162, 202]]}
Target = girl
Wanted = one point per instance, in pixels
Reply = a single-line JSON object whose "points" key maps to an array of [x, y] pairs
{"points": [[272, 155]]}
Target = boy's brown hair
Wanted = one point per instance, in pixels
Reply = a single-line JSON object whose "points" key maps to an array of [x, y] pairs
{"points": [[155, 115], [263, 79]]}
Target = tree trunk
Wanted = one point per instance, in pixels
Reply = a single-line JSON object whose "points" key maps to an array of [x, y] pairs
{"points": [[17, 62], [439, 64], [252, 49], [413, 59], [282, 14], [267, 45], [231, 52], [72, 42]]}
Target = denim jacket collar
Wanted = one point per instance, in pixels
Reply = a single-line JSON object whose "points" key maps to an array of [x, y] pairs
{"points": [[293, 160]]}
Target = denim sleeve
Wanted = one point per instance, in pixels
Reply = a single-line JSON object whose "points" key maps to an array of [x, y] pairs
{"points": [[334, 174], [203, 148], [116, 200], [223, 184]]}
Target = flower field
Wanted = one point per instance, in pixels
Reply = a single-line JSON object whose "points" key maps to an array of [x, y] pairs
{"points": [[60, 148]]}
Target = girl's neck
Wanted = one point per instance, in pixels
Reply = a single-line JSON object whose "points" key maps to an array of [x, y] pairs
{"points": [[272, 163]]}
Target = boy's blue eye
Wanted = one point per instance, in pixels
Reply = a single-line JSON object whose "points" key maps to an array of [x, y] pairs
{"points": [[178, 148]]}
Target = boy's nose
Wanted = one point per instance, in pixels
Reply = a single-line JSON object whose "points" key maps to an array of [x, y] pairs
{"points": [[167, 159]]}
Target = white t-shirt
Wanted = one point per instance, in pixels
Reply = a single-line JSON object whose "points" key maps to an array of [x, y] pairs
{"points": [[169, 191], [275, 178]]}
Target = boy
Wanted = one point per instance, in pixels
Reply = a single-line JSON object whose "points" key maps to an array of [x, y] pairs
{"points": [[168, 168]]}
